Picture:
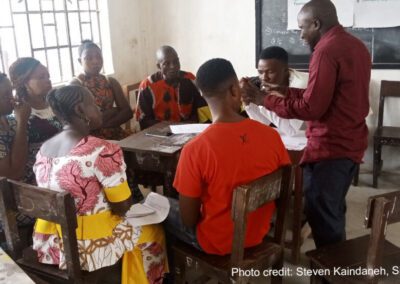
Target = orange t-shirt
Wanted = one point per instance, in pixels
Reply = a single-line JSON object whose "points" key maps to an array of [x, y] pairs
{"points": [[224, 156]]}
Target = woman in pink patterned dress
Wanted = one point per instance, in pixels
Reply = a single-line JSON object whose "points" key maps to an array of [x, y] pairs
{"points": [[93, 171]]}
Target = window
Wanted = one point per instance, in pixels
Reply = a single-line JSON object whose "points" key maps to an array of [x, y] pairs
{"points": [[50, 31]]}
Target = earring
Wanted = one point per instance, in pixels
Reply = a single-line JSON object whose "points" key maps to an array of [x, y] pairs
{"points": [[86, 120]]}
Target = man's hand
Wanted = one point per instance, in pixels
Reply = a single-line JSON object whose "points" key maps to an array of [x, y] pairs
{"points": [[274, 88], [250, 93]]}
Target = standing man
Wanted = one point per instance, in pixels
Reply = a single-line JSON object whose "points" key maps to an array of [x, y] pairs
{"points": [[335, 105], [169, 94]]}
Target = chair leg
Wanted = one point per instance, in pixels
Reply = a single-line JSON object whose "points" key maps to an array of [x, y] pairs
{"points": [[179, 269], [314, 278], [277, 266], [297, 214], [240, 280], [357, 173], [376, 164]]}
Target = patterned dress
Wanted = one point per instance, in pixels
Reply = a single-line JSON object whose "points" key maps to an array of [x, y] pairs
{"points": [[6, 140], [94, 173], [39, 130], [7, 136], [102, 91]]}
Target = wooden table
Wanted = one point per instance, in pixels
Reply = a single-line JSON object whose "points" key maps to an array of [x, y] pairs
{"points": [[155, 154], [10, 272]]}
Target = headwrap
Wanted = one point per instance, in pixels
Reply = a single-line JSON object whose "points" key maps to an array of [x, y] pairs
{"points": [[20, 72]]}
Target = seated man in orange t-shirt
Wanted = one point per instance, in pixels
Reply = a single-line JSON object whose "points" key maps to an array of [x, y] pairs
{"points": [[230, 152]]}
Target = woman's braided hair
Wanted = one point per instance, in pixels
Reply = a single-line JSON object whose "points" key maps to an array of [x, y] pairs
{"points": [[64, 100]]}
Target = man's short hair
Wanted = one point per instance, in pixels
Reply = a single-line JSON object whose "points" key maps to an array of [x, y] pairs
{"points": [[274, 52], [212, 75]]}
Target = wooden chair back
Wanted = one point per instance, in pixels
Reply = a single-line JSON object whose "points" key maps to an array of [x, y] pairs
{"points": [[382, 210], [249, 197], [57, 207], [388, 89], [131, 92]]}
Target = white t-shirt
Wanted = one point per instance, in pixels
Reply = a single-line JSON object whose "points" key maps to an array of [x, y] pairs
{"points": [[285, 126]]}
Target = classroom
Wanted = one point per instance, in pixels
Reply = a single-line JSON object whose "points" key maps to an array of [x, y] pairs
{"points": [[242, 141]]}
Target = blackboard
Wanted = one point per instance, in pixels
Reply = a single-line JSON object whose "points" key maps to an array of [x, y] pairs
{"points": [[271, 29]]}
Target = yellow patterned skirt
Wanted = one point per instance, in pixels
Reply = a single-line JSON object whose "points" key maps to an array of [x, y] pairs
{"points": [[103, 239]]}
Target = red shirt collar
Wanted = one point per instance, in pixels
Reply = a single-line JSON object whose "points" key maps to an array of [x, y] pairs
{"points": [[332, 31]]}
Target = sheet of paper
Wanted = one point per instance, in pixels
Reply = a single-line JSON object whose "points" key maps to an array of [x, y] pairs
{"points": [[188, 128], [376, 13], [139, 210], [344, 9], [155, 202], [297, 142]]}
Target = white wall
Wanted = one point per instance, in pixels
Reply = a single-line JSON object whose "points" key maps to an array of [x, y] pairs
{"points": [[200, 30], [131, 41]]}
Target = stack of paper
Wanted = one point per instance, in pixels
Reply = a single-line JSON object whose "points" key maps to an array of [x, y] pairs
{"points": [[188, 128]]}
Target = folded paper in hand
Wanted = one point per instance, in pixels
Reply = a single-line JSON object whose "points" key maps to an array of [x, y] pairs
{"points": [[154, 210], [139, 210]]}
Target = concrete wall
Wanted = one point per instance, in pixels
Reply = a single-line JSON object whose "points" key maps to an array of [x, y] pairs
{"points": [[200, 30]]}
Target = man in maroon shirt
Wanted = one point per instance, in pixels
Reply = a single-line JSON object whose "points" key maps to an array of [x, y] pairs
{"points": [[334, 105]]}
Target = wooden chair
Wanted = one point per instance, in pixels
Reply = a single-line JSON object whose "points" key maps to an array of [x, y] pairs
{"points": [[131, 92], [58, 207], [246, 198], [384, 135], [370, 251]]}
